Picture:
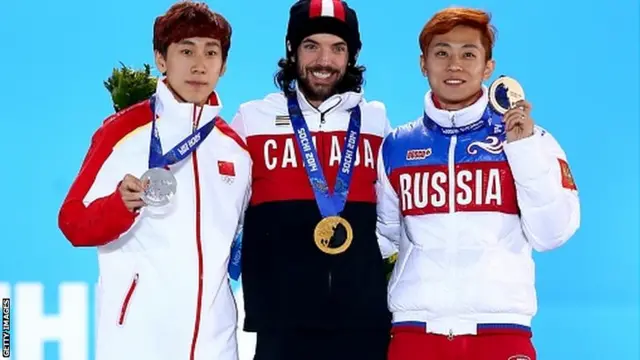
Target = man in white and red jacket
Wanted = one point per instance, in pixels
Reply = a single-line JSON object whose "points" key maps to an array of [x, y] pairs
{"points": [[312, 292], [467, 194], [163, 287]]}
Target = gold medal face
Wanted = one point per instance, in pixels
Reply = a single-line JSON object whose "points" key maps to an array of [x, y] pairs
{"points": [[504, 93], [333, 235]]}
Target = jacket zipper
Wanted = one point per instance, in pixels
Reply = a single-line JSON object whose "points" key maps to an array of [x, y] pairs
{"points": [[196, 178], [127, 299], [319, 146], [320, 158], [452, 198]]}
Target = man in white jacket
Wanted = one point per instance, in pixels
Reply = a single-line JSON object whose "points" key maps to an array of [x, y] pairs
{"points": [[467, 193], [161, 195]]}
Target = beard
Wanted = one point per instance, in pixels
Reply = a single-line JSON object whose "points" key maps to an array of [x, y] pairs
{"points": [[318, 91]]}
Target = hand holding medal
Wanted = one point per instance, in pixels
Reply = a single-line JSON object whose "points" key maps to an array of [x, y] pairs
{"points": [[506, 97], [131, 190]]}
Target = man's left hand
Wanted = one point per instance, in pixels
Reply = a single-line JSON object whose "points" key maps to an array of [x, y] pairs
{"points": [[518, 121]]}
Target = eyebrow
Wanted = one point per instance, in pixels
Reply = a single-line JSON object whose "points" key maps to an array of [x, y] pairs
{"points": [[441, 44], [208, 44], [339, 43]]}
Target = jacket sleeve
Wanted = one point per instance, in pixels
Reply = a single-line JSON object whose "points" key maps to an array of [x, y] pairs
{"points": [[388, 226], [245, 205], [93, 213], [238, 125], [546, 191]]}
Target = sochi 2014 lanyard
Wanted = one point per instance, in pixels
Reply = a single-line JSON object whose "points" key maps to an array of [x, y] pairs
{"points": [[158, 159], [329, 203]]}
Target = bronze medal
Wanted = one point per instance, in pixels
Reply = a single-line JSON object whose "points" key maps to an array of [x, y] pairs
{"points": [[333, 235], [504, 93]]}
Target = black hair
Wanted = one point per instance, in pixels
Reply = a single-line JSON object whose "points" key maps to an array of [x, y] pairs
{"points": [[353, 79]]}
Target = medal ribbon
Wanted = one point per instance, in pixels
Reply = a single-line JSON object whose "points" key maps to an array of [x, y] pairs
{"points": [[235, 259], [179, 152], [329, 203], [488, 119]]}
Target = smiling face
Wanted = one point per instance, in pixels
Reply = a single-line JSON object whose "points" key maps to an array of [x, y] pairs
{"points": [[455, 64], [322, 62], [193, 67]]}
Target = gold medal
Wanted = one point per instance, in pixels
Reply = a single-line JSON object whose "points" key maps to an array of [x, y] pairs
{"points": [[333, 235], [504, 93]]}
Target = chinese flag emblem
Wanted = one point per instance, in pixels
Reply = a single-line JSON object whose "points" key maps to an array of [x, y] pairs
{"points": [[226, 168]]}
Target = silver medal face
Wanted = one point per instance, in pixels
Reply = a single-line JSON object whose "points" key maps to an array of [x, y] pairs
{"points": [[161, 188]]}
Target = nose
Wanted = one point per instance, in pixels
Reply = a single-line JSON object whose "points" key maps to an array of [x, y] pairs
{"points": [[324, 58], [454, 64], [198, 65]]}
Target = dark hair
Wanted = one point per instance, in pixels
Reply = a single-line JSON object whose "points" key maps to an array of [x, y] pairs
{"points": [[187, 19], [288, 73]]}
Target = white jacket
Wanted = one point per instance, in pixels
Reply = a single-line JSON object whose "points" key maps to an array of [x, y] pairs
{"points": [[466, 211], [163, 286]]}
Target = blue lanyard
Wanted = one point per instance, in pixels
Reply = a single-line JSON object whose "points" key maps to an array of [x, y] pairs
{"points": [[179, 152], [329, 203]]}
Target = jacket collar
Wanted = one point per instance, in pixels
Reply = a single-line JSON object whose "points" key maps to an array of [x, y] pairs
{"points": [[343, 101], [456, 118], [168, 106]]}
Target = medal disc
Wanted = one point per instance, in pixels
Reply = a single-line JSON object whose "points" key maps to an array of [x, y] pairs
{"points": [[333, 235], [504, 93], [161, 187]]}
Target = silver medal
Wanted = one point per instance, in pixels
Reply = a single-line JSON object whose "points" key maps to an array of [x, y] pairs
{"points": [[161, 187]]}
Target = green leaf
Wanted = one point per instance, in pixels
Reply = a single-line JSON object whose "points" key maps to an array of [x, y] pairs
{"points": [[389, 263], [129, 86]]}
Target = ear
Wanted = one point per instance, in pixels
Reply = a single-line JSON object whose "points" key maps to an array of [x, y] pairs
{"points": [[223, 69], [423, 65], [488, 69], [161, 62]]}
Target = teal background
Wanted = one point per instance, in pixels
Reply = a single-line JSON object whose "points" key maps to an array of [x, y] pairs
{"points": [[578, 64]]}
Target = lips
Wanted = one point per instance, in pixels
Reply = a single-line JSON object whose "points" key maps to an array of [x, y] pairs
{"points": [[197, 83], [321, 74], [454, 81]]}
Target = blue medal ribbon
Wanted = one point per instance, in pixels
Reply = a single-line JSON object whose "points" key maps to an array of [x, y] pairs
{"points": [[329, 203], [235, 259], [158, 159]]}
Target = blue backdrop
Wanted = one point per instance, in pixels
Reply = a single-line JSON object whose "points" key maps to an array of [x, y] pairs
{"points": [[578, 64]]}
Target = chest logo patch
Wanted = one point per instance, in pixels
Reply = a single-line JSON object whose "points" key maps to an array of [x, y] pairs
{"points": [[491, 144], [419, 154]]}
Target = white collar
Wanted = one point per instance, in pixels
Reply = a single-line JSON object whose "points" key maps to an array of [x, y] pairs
{"points": [[456, 118], [167, 105], [343, 101]]}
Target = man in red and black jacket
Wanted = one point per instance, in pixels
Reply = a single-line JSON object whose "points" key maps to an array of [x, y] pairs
{"points": [[313, 272]]}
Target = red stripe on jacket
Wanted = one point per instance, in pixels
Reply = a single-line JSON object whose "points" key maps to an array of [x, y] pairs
{"points": [[106, 218], [279, 173]]}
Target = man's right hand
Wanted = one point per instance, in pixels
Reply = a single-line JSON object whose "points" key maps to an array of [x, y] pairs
{"points": [[131, 189]]}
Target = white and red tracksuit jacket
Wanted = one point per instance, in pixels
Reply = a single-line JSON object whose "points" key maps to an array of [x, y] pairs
{"points": [[466, 211], [163, 286]]}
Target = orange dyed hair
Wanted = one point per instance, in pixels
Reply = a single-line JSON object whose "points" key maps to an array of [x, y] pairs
{"points": [[188, 19], [445, 20]]}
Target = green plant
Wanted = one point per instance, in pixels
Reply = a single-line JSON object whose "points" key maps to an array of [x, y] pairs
{"points": [[389, 263], [129, 86]]}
